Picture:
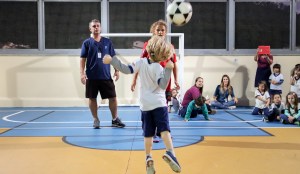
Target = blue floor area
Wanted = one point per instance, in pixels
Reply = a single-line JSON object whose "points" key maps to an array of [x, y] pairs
{"points": [[75, 126]]}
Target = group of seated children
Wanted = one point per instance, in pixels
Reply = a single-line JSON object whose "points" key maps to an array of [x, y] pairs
{"points": [[268, 102]]}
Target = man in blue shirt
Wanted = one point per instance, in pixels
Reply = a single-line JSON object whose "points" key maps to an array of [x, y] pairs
{"points": [[96, 76]]}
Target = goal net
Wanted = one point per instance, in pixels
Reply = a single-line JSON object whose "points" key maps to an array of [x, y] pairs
{"points": [[123, 87]]}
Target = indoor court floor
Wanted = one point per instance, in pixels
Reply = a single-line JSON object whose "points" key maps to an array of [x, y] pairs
{"points": [[62, 141]]}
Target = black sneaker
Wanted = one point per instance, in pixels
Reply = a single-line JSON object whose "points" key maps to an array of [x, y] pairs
{"points": [[117, 123]]}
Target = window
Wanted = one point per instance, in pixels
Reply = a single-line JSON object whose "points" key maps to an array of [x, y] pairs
{"points": [[19, 26], [63, 25], [262, 23], [67, 23], [133, 17], [207, 27], [298, 25]]}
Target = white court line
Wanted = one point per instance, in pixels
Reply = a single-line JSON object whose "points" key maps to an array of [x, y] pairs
{"points": [[6, 118], [123, 110], [69, 110]]}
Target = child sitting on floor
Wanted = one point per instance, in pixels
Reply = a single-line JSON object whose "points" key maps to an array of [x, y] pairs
{"points": [[174, 103], [276, 109], [262, 99], [292, 111]]}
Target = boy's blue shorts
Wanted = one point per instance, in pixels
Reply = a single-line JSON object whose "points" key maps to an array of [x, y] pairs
{"points": [[156, 118]]}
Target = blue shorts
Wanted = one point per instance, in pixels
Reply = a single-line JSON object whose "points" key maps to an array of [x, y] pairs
{"points": [[156, 118], [273, 91]]}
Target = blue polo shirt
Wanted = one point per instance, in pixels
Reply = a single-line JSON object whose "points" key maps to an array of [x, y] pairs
{"points": [[94, 52]]}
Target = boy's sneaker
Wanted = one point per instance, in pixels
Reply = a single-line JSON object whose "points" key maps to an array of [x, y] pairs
{"points": [[156, 139], [212, 112], [117, 123], [172, 161], [96, 124], [150, 165]]}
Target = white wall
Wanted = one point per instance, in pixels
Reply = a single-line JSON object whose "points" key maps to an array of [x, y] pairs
{"points": [[37, 81]]}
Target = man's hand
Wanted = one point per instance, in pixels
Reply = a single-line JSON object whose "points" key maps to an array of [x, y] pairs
{"points": [[83, 79], [116, 75]]}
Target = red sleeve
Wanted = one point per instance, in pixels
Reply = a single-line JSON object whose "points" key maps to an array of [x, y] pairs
{"points": [[144, 52], [174, 58]]}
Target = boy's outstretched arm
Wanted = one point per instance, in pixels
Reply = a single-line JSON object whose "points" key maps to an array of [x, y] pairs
{"points": [[117, 64]]}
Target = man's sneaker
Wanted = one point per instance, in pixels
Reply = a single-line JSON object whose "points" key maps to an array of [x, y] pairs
{"points": [[96, 124], [212, 112], [156, 139], [172, 161], [150, 165], [117, 123]]}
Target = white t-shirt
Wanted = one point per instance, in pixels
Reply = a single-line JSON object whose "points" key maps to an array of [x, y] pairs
{"points": [[277, 78], [296, 88], [280, 108], [151, 95], [258, 103]]}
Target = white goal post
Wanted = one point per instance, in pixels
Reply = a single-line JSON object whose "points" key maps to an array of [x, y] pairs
{"points": [[179, 51]]}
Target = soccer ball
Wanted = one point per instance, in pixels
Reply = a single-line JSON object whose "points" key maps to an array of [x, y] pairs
{"points": [[179, 12]]}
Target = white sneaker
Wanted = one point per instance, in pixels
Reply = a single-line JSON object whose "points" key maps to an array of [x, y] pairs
{"points": [[150, 165], [232, 107]]}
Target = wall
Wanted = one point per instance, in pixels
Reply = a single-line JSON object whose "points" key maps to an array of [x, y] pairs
{"points": [[38, 81]]}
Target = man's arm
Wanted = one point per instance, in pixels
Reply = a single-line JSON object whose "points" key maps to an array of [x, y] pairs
{"points": [[82, 72]]}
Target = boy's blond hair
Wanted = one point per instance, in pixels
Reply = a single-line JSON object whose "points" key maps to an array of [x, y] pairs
{"points": [[159, 49]]}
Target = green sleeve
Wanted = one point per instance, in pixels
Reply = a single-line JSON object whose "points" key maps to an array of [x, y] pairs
{"points": [[298, 115], [205, 111], [189, 110], [286, 112]]}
